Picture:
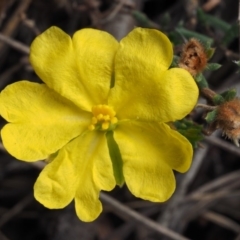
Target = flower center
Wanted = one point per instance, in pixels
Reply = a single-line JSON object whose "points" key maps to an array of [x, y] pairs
{"points": [[103, 118]]}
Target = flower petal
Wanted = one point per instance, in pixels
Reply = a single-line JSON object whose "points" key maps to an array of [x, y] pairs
{"points": [[150, 151], [81, 169], [56, 185], [178, 94], [97, 175], [78, 69], [144, 88], [41, 121]]}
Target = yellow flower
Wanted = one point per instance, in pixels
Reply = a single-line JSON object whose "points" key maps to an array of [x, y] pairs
{"points": [[69, 117]]}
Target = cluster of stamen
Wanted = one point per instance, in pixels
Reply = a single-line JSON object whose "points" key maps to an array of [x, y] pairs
{"points": [[103, 117]]}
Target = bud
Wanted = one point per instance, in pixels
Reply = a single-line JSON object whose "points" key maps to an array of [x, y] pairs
{"points": [[193, 57], [228, 119]]}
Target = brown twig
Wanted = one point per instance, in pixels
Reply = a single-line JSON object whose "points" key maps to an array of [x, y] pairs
{"points": [[113, 13], [170, 217], [221, 221], [5, 76], [223, 144], [217, 183], [15, 210], [122, 22], [206, 107], [128, 214], [14, 20], [15, 44], [3, 237], [208, 6]]}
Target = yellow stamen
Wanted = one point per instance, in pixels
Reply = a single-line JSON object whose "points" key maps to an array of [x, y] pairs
{"points": [[103, 117], [94, 120], [91, 127], [114, 120], [105, 125], [100, 116]]}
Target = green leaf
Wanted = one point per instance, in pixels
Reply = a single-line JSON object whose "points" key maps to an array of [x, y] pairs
{"points": [[116, 158], [190, 130], [211, 116], [191, 34], [218, 99], [209, 20], [165, 21], [212, 66], [143, 20], [229, 94], [230, 34], [210, 51], [201, 81]]}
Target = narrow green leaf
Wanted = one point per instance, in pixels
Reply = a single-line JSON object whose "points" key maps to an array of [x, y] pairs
{"points": [[229, 94], [143, 20], [210, 51], [231, 34], [190, 130], [191, 34], [211, 116], [165, 20], [210, 20], [212, 66], [116, 158], [218, 99], [201, 81]]}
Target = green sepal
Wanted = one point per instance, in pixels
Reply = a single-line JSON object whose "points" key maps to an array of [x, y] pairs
{"points": [[212, 66], [201, 81], [116, 158], [211, 116], [210, 51], [218, 99], [229, 94], [190, 130]]}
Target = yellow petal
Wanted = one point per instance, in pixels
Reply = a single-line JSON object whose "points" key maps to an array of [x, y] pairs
{"points": [[96, 174], [178, 94], [41, 121], [78, 69], [144, 88], [95, 52], [81, 169], [150, 151], [56, 185]]}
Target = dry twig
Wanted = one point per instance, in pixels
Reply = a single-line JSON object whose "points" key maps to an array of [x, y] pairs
{"points": [[15, 210]]}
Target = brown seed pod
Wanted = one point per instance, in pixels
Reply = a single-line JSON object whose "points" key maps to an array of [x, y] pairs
{"points": [[193, 57], [228, 119]]}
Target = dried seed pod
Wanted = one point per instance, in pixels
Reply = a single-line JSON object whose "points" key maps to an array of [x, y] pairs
{"points": [[228, 119], [193, 57]]}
